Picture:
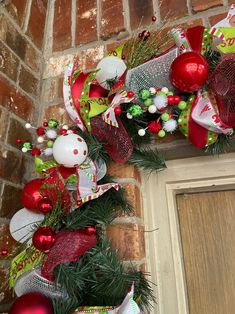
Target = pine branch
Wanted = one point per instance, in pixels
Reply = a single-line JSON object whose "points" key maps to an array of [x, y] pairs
{"points": [[147, 159], [222, 144], [64, 306]]}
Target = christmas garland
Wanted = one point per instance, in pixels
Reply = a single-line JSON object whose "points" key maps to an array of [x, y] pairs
{"points": [[143, 89]]}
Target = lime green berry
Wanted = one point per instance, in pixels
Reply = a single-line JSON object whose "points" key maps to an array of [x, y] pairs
{"points": [[165, 116], [52, 123], [50, 144], [148, 102], [170, 94], [161, 93], [182, 105], [27, 145], [161, 133], [144, 94]]}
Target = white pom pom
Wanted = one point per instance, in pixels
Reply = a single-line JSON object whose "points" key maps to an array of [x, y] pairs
{"points": [[40, 139], [141, 132], [160, 101], [51, 134], [24, 149], [165, 90], [48, 151], [152, 90], [129, 116], [28, 126], [152, 109], [170, 125], [66, 127]]}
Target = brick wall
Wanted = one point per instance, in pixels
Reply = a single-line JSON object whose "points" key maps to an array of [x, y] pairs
{"points": [[37, 38]]}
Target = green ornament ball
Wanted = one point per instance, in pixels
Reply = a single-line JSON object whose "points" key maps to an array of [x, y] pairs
{"points": [[165, 116], [52, 123], [148, 102], [27, 145], [144, 94], [50, 144], [182, 105], [161, 93], [170, 94], [161, 133]]}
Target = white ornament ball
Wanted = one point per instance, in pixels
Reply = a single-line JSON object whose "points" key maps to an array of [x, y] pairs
{"points": [[170, 125], [24, 150], [141, 132], [28, 126], [109, 68], [129, 116], [152, 109], [70, 150], [66, 127], [24, 223], [160, 101], [152, 90], [52, 134], [165, 90], [40, 139], [48, 151]]}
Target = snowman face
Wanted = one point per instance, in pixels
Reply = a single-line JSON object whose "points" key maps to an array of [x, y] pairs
{"points": [[70, 150]]}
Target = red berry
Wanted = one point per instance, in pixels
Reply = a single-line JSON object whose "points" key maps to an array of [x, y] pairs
{"points": [[176, 99], [90, 230], [40, 131], [45, 124], [117, 111], [162, 109], [35, 151], [18, 141], [4, 252], [130, 94], [154, 18], [170, 100], [63, 131], [146, 35], [154, 127], [158, 89], [123, 57]]}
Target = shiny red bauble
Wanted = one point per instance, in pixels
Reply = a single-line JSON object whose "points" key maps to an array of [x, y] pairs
{"points": [[189, 72], [31, 195], [43, 239], [40, 131], [32, 303], [45, 205], [117, 111]]}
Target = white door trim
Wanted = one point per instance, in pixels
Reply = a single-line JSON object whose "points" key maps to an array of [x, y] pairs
{"points": [[163, 246]]}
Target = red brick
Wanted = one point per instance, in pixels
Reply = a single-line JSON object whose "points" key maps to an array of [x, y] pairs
{"points": [[12, 165], [86, 28], [123, 171], [9, 63], [173, 9], [141, 12], [202, 5], [37, 22], [60, 87], [13, 100], [128, 239], [134, 197], [217, 18], [57, 112], [11, 201], [62, 38], [32, 58], [28, 82], [17, 9], [92, 56], [112, 18], [3, 123], [17, 130]]}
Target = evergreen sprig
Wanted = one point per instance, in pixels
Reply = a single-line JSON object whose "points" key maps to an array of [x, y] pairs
{"points": [[222, 144]]}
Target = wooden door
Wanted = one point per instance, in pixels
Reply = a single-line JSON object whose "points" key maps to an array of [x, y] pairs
{"points": [[207, 227]]}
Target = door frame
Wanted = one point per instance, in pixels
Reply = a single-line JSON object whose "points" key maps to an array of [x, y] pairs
{"points": [[163, 244]]}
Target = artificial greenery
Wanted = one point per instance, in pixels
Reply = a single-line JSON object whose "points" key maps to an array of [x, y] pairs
{"points": [[222, 144], [147, 159]]}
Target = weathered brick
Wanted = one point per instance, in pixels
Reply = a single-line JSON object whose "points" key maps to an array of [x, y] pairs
{"points": [[201, 5], [62, 38], [13, 100], [60, 87], [134, 197], [17, 130], [173, 9], [112, 18], [32, 58], [3, 123], [92, 56], [86, 28], [128, 239], [123, 171], [217, 18], [12, 165], [141, 12], [28, 82], [37, 22], [17, 9], [11, 201], [9, 63], [57, 112]]}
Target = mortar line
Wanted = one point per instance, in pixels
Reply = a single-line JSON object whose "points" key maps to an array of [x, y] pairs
{"points": [[27, 16], [98, 19], [73, 22], [126, 13]]}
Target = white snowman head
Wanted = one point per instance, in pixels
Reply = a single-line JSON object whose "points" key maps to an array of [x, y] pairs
{"points": [[70, 150]]}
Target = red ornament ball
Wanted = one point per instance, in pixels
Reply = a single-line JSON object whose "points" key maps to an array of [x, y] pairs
{"points": [[90, 230], [18, 141], [63, 131], [40, 131], [32, 303], [4, 252], [45, 124], [43, 239], [36, 151], [45, 205], [176, 99], [130, 94], [170, 100], [31, 195], [117, 111], [189, 72], [154, 127]]}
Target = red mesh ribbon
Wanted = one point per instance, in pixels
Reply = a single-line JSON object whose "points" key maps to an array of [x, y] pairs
{"points": [[69, 247]]}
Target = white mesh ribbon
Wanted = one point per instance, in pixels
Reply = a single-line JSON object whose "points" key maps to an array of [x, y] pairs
{"points": [[154, 73], [32, 281]]}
